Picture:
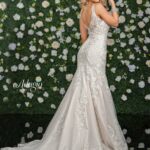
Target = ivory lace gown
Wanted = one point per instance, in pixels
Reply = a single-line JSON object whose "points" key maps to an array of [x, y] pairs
{"points": [[86, 117]]}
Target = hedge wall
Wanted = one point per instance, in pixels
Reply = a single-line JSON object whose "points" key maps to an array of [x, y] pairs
{"points": [[39, 42]]}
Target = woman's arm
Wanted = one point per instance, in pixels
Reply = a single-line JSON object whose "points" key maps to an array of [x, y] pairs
{"points": [[111, 19]]}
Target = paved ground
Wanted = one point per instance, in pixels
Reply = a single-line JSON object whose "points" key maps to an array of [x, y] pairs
{"points": [[17, 128]]}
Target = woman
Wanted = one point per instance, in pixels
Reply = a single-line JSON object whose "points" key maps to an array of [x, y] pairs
{"points": [[86, 117]]}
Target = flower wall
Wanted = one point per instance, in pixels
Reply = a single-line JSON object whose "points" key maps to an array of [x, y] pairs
{"points": [[39, 42]]}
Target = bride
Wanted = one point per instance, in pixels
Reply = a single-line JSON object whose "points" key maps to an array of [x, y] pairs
{"points": [[86, 118]]}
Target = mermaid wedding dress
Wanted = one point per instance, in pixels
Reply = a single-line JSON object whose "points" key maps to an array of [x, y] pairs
{"points": [[86, 117]]}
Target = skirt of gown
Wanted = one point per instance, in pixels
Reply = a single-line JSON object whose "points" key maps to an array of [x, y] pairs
{"points": [[86, 118]]}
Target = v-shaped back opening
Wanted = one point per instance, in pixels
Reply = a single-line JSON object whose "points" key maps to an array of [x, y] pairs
{"points": [[93, 13]]}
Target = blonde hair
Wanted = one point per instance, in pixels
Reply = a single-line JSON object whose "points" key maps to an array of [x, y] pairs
{"points": [[85, 2]]}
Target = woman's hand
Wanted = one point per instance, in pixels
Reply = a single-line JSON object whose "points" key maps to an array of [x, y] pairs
{"points": [[111, 2]]}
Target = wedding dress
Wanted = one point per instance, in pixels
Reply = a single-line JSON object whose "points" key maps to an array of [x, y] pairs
{"points": [[86, 117]]}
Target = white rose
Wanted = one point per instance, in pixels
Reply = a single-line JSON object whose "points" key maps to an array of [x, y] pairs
{"points": [[39, 24], [32, 48], [147, 97], [53, 106], [51, 72], [139, 1], [141, 84], [118, 78], [20, 35], [20, 5], [29, 95], [69, 77], [122, 19], [45, 4], [70, 22], [21, 66], [45, 94], [110, 42], [40, 99], [62, 91], [40, 130], [141, 24], [38, 79], [16, 17], [14, 68], [55, 45], [112, 88], [12, 46], [124, 97], [149, 80], [148, 63], [3, 5]]}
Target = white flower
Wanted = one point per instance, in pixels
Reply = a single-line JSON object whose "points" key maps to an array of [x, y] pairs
{"points": [[27, 104], [141, 24], [30, 95], [147, 131], [32, 48], [141, 145], [40, 99], [118, 78], [69, 77], [131, 41], [51, 72], [20, 35], [147, 97], [31, 9], [112, 88], [70, 22], [55, 88], [22, 27], [128, 140], [20, 5], [148, 63], [53, 106], [40, 130], [45, 4], [12, 46], [57, 1], [5, 87], [39, 24], [38, 79], [129, 90], [132, 68], [141, 84], [27, 124], [45, 94], [16, 17], [113, 70], [14, 68], [1, 69], [149, 80], [124, 97], [68, 39], [20, 66], [53, 53], [122, 19], [55, 45], [52, 28], [132, 81], [110, 42], [139, 1], [62, 91], [3, 5], [30, 134], [30, 32]]}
